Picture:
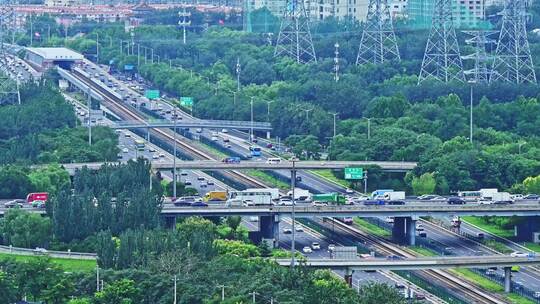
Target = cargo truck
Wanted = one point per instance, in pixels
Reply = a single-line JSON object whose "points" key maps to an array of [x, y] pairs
{"points": [[274, 192], [300, 195], [330, 198], [379, 194], [250, 198], [38, 196], [394, 195], [215, 196]]}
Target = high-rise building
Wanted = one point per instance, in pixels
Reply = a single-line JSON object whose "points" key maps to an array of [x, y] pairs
{"points": [[465, 13], [319, 9]]}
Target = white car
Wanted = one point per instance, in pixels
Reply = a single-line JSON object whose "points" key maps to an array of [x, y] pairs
{"points": [[224, 131], [315, 246], [349, 191], [155, 156], [253, 218], [285, 202], [307, 250], [486, 202], [331, 247], [125, 150], [517, 254], [298, 228], [151, 149]]}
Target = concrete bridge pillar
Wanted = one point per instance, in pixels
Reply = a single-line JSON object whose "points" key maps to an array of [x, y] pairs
{"points": [[269, 228], [526, 228], [404, 230], [348, 276], [507, 279], [268, 135], [170, 222]]}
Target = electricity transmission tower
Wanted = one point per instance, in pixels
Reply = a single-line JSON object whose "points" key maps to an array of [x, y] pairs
{"points": [[442, 61], [481, 72], [9, 92], [378, 43], [294, 39], [513, 62]]}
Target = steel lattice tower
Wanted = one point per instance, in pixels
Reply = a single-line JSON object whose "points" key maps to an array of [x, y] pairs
{"points": [[513, 62], [8, 88], [481, 72], [442, 61], [378, 43], [294, 39]]}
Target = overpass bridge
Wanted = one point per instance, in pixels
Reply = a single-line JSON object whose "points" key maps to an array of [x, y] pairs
{"points": [[199, 123], [261, 165], [426, 263]]}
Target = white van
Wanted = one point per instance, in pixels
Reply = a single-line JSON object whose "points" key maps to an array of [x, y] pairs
{"points": [[273, 160]]}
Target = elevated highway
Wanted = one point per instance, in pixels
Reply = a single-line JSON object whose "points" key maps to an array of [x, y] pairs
{"points": [[199, 123], [261, 165], [419, 263]]}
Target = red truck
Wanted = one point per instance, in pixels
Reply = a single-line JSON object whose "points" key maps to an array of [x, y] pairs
{"points": [[37, 196]]}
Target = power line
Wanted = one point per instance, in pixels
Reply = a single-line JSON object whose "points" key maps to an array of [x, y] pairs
{"points": [[378, 43], [294, 39], [442, 60], [513, 61]]}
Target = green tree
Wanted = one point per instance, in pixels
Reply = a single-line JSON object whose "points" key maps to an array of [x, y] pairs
{"points": [[375, 293], [123, 291], [49, 179], [59, 292], [8, 289], [425, 184], [532, 184], [23, 229]]}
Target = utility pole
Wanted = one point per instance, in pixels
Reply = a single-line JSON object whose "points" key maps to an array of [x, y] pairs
{"points": [[222, 292], [183, 22], [442, 61], [293, 215], [378, 43], [97, 48], [253, 294], [334, 114], [132, 42], [471, 114], [138, 55], [336, 62], [268, 109], [174, 296], [89, 106], [174, 156], [238, 69], [480, 73], [97, 278], [294, 38], [251, 129]]}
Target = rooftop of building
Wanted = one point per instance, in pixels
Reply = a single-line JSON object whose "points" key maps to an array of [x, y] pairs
{"points": [[56, 53]]}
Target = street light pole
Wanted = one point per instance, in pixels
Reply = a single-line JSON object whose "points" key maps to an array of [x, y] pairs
{"points": [[471, 118], [89, 106], [174, 156], [293, 185], [174, 289], [268, 110], [368, 128], [97, 48], [238, 74], [251, 130], [234, 104], [334, 114]]}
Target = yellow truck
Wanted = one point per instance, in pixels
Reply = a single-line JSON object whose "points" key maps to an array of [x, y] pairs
{"points": [[215, 196]]}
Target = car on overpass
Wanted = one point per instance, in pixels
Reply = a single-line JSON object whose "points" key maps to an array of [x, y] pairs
{"points": [[454, 200]]}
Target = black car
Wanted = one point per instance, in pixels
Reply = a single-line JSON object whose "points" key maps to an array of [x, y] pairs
{"points": [[199, 204], [455, 201], [182, 203], [531, 197]]}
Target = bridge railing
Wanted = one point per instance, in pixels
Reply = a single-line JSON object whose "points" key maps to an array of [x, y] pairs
{"points": [[59, 254], [197, 123]]}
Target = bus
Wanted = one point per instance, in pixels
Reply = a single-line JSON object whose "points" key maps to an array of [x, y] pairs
{"points": [[255, 151], [139, 143], [470, 195]]}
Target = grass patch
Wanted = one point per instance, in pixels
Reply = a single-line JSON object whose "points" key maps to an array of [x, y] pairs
{"points": [[478, 279], [498, 231], [267, 178], [517, 299], [423, 251], [371, 228], [327, 174], [214, 151], [532, 246], [71, 265], [497, 246]]}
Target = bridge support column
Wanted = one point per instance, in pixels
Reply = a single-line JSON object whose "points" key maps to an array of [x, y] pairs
{"points": [[527, 227], [507, 279], [269, 229], [404, 230], [268, 135], [148, 135], [348, 276], [170, 222]]}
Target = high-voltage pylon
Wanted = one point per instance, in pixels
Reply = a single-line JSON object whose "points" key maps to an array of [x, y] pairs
{"points": [[513, 62], [9, 92], [378, 43], [294, 39], [442, 61], [481, 72]]}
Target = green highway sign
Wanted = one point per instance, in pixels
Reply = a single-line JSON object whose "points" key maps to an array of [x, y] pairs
{"points": [[186, 101], [354, 173], [151, 94]]}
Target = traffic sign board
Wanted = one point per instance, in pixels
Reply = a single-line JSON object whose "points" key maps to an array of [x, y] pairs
{"points": [[151, 94], [186, 101], [354, 173]]}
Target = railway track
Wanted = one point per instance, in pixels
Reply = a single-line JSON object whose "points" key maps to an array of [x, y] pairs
{"points": [[473, 293], [124, 112]]}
